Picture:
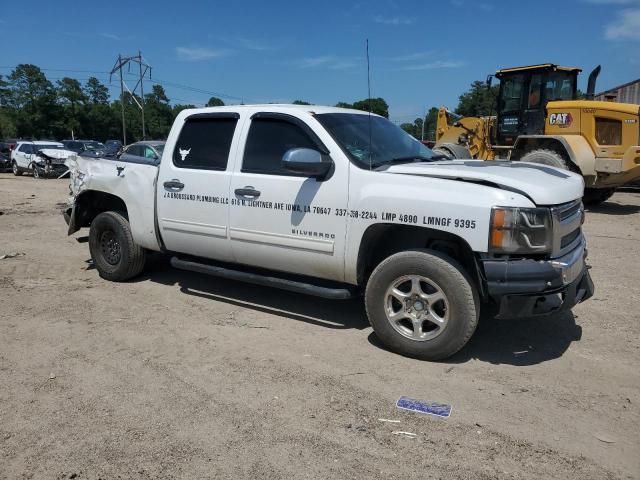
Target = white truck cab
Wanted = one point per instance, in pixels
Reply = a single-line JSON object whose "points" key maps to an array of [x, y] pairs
{"points": [[336, 202]]}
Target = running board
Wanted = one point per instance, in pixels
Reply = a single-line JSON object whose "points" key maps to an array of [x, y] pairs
{"points": [[256, 279]]}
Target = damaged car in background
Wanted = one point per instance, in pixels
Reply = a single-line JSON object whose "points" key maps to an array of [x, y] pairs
{"points": [[42, 159]]}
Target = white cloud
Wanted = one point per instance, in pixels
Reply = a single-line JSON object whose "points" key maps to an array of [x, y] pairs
{"points": [[110, 36], [395, 21], [487, 7], [438, 64], [251, 44], [194, 54], [412, 57], [611, 2], [329, 61], [626, 26]]}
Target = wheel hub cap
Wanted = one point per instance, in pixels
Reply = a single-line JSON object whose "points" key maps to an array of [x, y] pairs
{"points": [[417, 307], [110, 247]]}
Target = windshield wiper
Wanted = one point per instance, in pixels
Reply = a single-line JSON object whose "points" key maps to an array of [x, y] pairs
{"points": [[411, 159]]}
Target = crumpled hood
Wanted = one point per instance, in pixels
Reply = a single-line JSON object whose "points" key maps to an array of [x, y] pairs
{"points": [[543, 184], [57, 153]]}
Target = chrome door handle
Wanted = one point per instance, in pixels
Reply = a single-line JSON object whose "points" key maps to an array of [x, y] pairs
{"points": [[174, 185], [247, 191]]}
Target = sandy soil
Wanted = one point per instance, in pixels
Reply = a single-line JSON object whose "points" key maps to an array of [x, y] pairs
{"points": [[178, 375]]}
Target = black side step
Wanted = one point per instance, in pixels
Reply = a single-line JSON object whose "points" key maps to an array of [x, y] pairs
{"points": [[284, 284]]}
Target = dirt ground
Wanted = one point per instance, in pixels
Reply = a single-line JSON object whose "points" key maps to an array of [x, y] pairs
{"points": [[179, 375]]}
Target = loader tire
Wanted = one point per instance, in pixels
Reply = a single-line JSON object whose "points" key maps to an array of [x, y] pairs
{"points": [[595, 196], [422, 304], [544, 156], [115, 254]]}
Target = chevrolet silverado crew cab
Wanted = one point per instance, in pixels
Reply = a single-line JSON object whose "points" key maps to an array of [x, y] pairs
{"points": [[334, 202]]}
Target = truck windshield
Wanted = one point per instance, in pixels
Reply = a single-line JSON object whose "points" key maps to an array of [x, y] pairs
{"points": [[372, 141]]}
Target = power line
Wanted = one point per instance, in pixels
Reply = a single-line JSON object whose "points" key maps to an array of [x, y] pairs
{"points": [[152, 80]]}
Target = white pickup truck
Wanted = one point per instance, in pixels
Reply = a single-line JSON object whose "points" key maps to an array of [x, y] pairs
{"points": [[334, 202]]}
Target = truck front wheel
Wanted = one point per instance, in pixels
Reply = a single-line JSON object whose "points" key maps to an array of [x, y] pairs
{"points": [[422, 304], [115, 254]]}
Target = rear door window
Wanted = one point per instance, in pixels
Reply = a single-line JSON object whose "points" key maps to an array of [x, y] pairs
{"points": [[205, 142]]}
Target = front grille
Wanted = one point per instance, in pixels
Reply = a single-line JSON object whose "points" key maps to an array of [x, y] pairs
{"points": [[565, 213], [568, 239], [567, 227]]}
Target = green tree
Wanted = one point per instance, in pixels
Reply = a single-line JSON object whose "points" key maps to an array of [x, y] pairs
{"points": [[378, 106], [34, 99], [96, 92], [478, 101], [215, 102], [430, 123], [72, 99], [158, 113], [300, 102], [344, 105]]}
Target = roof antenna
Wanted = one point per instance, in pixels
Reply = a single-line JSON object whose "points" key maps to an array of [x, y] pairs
{"points": [[369, 97]]}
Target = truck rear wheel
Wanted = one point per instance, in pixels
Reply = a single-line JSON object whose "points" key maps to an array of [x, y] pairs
{"points": [[544, 156], [422, 304], [115, 254]]}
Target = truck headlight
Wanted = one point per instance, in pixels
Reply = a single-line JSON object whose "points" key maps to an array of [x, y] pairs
{"points": [[520, 230]]}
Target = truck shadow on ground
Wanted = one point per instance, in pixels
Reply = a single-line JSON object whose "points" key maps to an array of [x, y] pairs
{"points": [[518, 342], [336, 314], [612, 208]]}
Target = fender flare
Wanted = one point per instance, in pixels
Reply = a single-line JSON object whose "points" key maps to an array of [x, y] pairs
{"points": [[578, 149]]}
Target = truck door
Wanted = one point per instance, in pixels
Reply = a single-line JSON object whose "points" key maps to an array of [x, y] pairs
{"points": [[281, 220], [193, 186]]}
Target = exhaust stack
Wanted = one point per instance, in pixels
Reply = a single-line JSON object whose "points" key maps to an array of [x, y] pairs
{"points": [[591, 84]]}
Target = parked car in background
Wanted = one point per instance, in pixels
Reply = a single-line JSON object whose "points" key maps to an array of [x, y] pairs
{"points": [[143, 152], [86, 148], [40, 158], [5, 155], [112, 146]]}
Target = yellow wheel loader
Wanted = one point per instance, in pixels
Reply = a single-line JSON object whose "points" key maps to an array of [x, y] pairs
{"points": [[539, 119]]}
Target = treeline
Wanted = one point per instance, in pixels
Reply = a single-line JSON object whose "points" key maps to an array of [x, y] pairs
{"points": [[478, 101], [32, 107]]}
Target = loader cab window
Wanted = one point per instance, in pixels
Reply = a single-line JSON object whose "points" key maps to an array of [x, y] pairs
{"points": [[559, 86], [512, 89], [535, 93]]}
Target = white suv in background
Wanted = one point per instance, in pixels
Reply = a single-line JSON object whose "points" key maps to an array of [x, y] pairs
{"points": [[39, 158]]}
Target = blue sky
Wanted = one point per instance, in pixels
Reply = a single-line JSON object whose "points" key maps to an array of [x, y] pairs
{"points": [[423, 53]]}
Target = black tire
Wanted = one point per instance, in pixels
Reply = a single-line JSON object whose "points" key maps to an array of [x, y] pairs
{"points": [[595, 196], [544, 156], [115, 254], [34, 171], [16, 169], [461, 299]]}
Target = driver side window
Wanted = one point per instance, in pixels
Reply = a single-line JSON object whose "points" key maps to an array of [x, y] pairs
{"points": [[267, 142]]}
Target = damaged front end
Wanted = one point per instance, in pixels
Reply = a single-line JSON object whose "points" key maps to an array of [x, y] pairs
{"points": [[51, 163], [77, 176]]}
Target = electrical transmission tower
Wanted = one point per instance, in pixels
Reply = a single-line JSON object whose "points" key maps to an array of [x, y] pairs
{"points": [[143, 68]]}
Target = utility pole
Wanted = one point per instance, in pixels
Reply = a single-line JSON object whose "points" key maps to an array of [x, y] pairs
{"points": [[117, 67]]}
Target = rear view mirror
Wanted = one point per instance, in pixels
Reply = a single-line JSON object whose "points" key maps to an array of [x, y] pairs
{"points": [[306, 161]]}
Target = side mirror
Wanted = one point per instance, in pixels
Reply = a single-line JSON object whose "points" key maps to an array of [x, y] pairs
{"points": [[306, 161]]}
